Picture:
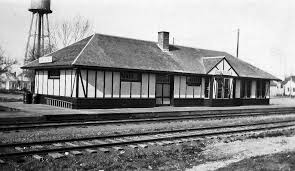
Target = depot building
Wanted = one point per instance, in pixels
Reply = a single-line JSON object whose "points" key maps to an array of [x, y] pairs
{"points": [[104, 71]]}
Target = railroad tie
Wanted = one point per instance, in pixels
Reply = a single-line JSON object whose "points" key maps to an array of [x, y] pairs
{"points": [[76, 152], [57, 144], [113, 141], [86, 143], [151, 143], [2, 161], [178, 141], [37, 146], [121, 140], [117, 148], [105, 150], [100, 142], [170, 142], [142, 145], [56, 155], [133, 146], [184, 140], [19, 148], [159, 143], [71, 144], [40, 158], [90, 151]]}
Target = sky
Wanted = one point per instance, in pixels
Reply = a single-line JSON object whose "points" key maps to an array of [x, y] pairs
{"points": [[267, 27]]}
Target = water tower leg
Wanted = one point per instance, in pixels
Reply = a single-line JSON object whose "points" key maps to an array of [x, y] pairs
{"points": [[29, 37], [48, 33], [35, 35], [39, 35], [43, 44]]}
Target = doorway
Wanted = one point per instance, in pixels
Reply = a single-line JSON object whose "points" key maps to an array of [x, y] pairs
{"points": [[163, 90]]}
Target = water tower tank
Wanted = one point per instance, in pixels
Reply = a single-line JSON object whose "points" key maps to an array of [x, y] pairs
{"points": [[40, 6]]}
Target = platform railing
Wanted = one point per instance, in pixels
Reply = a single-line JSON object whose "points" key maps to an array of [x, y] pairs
{"points": [[58, 103]]}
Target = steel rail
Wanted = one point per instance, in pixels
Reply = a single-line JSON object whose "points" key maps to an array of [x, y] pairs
{"points": [[191, 113], [126, 121], [142, 134], [140, 141]]}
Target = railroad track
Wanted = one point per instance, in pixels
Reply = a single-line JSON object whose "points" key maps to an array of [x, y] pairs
{"points": [[117, 142], [23, 126]]}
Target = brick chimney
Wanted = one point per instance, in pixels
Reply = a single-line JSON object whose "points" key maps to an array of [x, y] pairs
{"points": [[163, 40]]}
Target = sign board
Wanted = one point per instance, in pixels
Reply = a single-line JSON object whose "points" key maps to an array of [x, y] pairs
{"points": [[222, 72], [45, 59]]}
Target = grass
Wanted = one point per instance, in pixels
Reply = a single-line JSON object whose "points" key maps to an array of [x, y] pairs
{"points": [[11, 97]]}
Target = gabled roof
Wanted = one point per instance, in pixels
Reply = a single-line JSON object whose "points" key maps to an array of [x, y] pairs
{"points": [[210, 62], [287, 79], [118, 52]]}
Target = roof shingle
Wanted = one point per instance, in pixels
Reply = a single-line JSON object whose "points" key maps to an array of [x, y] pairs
{"points": [[117, 52]]}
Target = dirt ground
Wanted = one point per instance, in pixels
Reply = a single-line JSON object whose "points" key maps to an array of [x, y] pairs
{"points": [[222, 155]]}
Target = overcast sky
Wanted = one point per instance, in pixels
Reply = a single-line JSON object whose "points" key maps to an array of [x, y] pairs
{"points": [[267, 26]]}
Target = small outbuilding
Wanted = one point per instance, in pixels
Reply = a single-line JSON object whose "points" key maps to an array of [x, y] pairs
{"points": [[104, 71]]}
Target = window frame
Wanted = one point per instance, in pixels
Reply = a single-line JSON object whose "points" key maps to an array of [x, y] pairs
{"points": [[55, 76], [223, 88], [207, 88], [193, 81], [127, 76]]}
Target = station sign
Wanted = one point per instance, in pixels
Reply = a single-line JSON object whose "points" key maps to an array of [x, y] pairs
{"points": [[45, 59]]}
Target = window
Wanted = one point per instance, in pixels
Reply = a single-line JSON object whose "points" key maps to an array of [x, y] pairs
{"points": [[226, 88], [293, 89], [207, 87], [246, 89], [193, 81], [260, 88], [53, 74], [131, 76], [223, 87], [219, 87], [162, 79], [263, 89]]}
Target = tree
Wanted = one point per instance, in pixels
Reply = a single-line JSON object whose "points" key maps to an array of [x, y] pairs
{"points": [[62, 34], [5, 62], [70, 31]]}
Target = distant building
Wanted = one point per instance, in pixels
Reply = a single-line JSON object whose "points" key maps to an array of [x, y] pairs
{"points": [[10, 81], [276, 88], [289, 86], [104, 71]]}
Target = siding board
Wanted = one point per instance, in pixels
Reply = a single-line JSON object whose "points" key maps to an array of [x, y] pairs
{"points": [[116, 84], [125, 89], [176, 86], [144, 86], [62, 82], [45, 83], [152, 86], [68, 83], [99, 84], [182, 86], [135, 89], [91, 84], [108, 85], [82, 80]]}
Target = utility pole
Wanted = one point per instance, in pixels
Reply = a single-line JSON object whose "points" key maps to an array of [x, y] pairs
{"points": [[238, 41]]}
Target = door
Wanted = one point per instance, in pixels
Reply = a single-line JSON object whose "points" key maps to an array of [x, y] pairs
{"points": [[163, 89]]}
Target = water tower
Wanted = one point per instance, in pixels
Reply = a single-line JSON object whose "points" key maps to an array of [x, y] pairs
{"points": [[39, 33]]}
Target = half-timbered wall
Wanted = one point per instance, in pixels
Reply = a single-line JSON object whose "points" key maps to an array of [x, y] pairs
{"points": [[62, 86], [182, 90], [94, 84]]}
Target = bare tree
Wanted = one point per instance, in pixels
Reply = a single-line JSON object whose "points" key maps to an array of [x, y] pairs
{"points": [[70, 31], [5, 62]]}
